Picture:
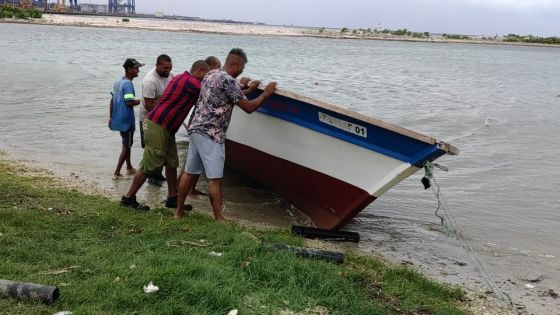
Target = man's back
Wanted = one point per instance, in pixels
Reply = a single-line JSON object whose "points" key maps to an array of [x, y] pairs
{"points": [[176, 102], [219, 93], [122, 118]]}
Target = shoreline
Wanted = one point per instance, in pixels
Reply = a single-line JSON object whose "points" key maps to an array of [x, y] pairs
{"points": [[477, 302], [222, 28]]}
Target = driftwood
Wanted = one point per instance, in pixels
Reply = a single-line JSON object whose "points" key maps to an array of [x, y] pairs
{"points": [[28, 291]]}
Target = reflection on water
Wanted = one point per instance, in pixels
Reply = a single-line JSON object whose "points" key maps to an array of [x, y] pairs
{"points": [[503, 187]]}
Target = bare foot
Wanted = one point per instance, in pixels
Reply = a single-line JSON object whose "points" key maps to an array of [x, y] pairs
{"points": [[221, 218], [179, 215]]}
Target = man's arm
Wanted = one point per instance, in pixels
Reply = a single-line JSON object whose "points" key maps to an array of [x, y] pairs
{"points": [[110, 112], [149, 94], [111, 109], [250, 87], [149, 104], [128, 91], [132, 103], [250, 106]]}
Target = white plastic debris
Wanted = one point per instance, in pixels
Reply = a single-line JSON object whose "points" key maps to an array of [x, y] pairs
{"points": [[529, 286], [132, 266], [215, 254], [63, 313], [232, 312], [150, 288], [50, 209]]}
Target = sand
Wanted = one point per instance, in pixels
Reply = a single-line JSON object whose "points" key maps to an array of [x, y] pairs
{"points": [[172, 25]]}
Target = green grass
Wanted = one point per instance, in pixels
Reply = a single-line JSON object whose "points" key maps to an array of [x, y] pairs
{"points": [[104, 241]]}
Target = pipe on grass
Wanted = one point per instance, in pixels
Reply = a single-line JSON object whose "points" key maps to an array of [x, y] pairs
{"points": [[335, 257], [28, 291]]}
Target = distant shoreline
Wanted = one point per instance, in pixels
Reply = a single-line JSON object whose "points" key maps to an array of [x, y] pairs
{"points": [[222, 28]]}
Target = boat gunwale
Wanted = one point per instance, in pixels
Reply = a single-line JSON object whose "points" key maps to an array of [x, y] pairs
{"points": [[448, 148]]}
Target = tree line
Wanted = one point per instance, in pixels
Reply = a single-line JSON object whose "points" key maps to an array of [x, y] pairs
{"points": [[532, 39], [11, 12]]}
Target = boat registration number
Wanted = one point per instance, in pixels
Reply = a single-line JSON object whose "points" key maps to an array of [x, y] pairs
{"points": [[344, 125]]}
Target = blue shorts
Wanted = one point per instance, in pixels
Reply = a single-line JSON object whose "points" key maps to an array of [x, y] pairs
{"points": [[127, 138], [206, 156]]}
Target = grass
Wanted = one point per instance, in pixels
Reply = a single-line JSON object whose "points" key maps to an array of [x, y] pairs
{"points": [[115, 252]]}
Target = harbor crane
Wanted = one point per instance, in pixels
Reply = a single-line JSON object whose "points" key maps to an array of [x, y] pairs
{"points": [[122, 6]]}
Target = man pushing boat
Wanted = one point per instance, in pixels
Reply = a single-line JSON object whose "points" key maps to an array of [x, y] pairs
{"points": [[160, 127], [220, 92]]}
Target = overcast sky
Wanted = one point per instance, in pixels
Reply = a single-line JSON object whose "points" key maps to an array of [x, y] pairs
{"points": [[488, 17]]}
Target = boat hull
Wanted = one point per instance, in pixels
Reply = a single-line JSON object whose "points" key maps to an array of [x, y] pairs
{"points": [[328, 162], [329, 202]]}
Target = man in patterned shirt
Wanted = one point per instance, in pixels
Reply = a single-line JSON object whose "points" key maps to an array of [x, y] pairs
{"points": [[207, 130], [160, 127]]}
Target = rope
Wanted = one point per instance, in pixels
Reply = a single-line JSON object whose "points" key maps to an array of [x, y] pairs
{"points": [[429, 174], [450, 223]]}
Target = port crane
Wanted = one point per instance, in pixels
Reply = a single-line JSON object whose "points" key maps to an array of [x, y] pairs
{"points": [[122, 6]]}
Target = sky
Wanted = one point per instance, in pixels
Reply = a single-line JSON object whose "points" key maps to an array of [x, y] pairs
{"points": [[471, 17]]}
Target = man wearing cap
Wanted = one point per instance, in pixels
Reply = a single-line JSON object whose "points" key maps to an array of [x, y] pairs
{"points": [[121, 113], [160, 127]]}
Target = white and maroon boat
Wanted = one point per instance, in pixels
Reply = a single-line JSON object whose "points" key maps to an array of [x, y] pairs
{"points": [[327, 161]]}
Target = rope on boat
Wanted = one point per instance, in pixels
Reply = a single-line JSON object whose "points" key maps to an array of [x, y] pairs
{"points": [[450, 224]]}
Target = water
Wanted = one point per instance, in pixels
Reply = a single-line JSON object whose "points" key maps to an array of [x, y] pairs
{"points": [[502, 188]]}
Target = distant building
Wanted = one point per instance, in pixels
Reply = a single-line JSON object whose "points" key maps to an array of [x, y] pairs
{"points": [[159, 14], [87, 7], [94, 8]]}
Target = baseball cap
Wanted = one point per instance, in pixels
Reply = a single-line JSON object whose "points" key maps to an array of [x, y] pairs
{"points": [[132, 63]]}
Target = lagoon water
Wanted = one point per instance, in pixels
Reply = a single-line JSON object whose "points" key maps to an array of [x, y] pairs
{"points": [[500, 105]]}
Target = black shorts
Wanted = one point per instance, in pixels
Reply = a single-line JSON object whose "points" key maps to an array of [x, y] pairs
{"points": [[127, 138]]}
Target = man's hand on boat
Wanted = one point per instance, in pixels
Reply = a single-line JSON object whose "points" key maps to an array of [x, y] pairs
{"points": [[254, 84], [250, 85], [244, 81], [270, 88], [250, 106]]}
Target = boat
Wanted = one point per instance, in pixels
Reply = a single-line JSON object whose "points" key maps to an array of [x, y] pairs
{"points": [[329, 162]]}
